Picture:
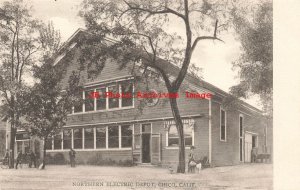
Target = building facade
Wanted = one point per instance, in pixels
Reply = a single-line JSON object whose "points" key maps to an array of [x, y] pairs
{"points": [[112, 130]]}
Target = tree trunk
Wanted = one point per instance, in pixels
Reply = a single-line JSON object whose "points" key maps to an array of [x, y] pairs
{"points": [[179, 126], [44, 154], [12, 146]]}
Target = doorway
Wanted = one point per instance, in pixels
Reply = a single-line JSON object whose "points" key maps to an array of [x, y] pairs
{"points": [[250, 144], [146, 148], [248, 147], [146, 142]]}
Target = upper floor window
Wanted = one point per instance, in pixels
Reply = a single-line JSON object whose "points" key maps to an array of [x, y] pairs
{"points": [[127, 90], [112, 96], [113, 102], [101, 100], [173, 138], [223, 126], [89, 100]]}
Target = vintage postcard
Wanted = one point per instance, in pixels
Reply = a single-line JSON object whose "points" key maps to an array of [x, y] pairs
{"points": [[136, 94]]}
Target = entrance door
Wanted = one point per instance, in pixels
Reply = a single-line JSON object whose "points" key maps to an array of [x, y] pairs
{"points": [[146, 148], [248, 147], [156, 149]]}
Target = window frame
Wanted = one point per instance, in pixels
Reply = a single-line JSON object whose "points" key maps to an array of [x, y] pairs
{"points": [[63, 139], [176, 147], [84, 137], [94, 128], [225, 125], [241, 138], [95, 88]]}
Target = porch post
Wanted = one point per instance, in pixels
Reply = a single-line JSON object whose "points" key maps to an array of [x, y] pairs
{"points": [[209, 132]]}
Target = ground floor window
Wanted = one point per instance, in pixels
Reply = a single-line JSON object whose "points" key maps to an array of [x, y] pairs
{"points": [[77, 138], [173, 138], [126, 134], [49, 144], [113, 136], [57, 142], [89, 138], [100, 137], [67, 139]]}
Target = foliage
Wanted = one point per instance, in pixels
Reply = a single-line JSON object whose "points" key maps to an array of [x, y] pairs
{"points": [[142, 30], [18, 44], [256, 61]]}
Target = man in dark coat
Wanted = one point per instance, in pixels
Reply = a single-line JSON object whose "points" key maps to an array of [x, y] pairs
{"points": [[72, 157], [19, 158], [32, 159]]}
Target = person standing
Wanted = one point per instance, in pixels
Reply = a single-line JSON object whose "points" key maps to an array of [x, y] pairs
{"points": [[191, 162], [6, 157], [72, 157], [32, 159], [18, 160]]}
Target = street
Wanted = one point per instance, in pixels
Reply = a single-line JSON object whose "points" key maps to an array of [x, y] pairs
{"points": [[248, 176]]}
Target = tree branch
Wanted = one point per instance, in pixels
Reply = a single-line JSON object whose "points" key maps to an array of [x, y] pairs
{"points": [[187, 56], [214, 37], [151, 12]]}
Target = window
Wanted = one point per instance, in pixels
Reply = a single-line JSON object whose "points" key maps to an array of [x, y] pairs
{"points": [[101, 137], [241, 123], [173, 139], [127, 90], [223, 126], [241, 126], [77, 138], [113, 136], [57, 142], [89, 138], [89, 100], [22, 136], [173, 136], [105, 97], [101, 100], [113, 102], [188, 137], [49, 144], [126, 132], [67, 139], [118, 136]]}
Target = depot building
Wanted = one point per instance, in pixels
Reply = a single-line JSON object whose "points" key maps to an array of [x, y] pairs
{"points": [[110, 130]]}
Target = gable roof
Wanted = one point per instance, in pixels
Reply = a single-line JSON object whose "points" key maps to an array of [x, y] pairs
{"points": [[171, 69]]}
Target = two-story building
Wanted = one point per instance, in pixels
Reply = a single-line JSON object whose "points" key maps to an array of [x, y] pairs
{"points": [[142, 131]]}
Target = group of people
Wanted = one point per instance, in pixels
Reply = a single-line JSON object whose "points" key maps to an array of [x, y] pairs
{"points": [[31, 157]]}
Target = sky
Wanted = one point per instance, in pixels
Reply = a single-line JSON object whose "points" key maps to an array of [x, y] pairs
{"points": [[215, 58]]}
